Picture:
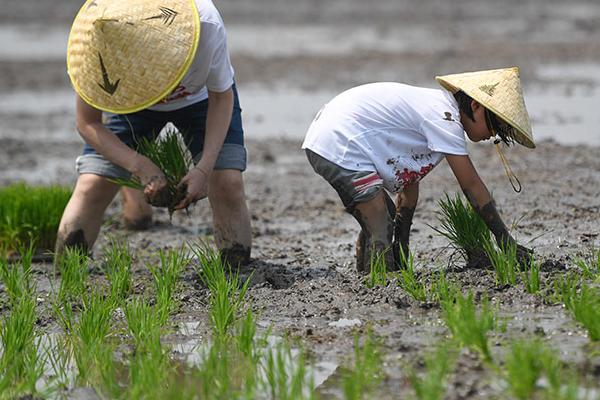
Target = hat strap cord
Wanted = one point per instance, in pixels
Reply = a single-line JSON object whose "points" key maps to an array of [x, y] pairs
{"points": [[512, 177]]}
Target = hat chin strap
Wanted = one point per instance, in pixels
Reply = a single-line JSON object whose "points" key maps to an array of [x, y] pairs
{"points": [[512, 178]]}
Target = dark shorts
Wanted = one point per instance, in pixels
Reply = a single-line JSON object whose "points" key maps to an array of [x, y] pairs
{"points": [[352, 186], [190, 121]]}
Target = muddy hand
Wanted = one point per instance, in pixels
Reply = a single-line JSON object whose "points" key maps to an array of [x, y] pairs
{"points": [[154, 181], [156, 191], [196, 182]]}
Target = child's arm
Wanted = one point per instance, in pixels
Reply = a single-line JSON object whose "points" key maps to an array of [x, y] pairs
{"points": [[481, 200], [406, 203], [91, 129]]}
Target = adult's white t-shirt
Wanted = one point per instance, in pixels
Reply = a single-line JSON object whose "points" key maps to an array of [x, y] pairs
{"points": [[399, 131], [211, 68]]}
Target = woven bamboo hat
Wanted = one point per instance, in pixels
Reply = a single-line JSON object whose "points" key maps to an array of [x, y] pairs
{"points": [[124, 56], [499, 91]]}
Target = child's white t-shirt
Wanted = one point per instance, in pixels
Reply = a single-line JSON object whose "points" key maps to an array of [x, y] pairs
{"points": [[211, 68], [402, 132]]}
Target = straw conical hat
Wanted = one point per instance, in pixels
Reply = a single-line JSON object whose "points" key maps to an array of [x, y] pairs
{"points": [[498, 90], [126, 55]]}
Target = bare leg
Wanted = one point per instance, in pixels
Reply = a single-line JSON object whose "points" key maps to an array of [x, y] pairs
{"points": [[377, 227], [233, 234], [137, 213], [82, 218]]}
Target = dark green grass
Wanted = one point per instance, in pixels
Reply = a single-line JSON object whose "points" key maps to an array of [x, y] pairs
{"points": [[30, 214], [465, 230]]}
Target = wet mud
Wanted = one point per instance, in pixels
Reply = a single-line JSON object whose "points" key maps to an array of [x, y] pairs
{"points": [[303, 277]]}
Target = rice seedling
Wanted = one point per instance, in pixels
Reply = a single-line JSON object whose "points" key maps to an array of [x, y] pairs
{"points": [[408, 280], [367, 371], [524, 367], [431, 385], [144, 323], [441, 290], [505, 263], [216, 375], [285, 375], [530, 276], [117, 264], [90, 336], [22, 362], [590, 267], [73, 269], [166, 275], [378, 275], [59, 353], [468, 326], [17, 277], [30, 214], [226, 294], [150, 374], [581, 300], [168, 155], [585, 307], [465, 230], [245, 334], [564, 288]]}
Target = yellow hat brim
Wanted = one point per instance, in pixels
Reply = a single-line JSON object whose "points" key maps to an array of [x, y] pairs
{"points": [[500, 91], [125, 56]]}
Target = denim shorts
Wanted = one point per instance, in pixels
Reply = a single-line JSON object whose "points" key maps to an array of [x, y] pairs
{"points": [[353, 187], [190, 121]]}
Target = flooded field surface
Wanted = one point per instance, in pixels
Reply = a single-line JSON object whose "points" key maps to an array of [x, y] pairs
{"points": [[290, 58]]}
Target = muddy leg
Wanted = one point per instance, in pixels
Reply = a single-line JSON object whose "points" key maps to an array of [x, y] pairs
{"points": [[137, 213], [233, 235], [362, 265], [377, 228], [82, 218]]}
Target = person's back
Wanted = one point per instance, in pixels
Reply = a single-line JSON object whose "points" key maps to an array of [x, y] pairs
{"points": [[398, 130]]}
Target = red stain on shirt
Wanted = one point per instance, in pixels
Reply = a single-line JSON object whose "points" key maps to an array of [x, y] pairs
{"points": [[406, 177]]}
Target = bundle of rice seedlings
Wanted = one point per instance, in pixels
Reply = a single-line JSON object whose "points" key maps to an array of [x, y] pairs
{"points": [[30, 215], [465, 230], [173, 160]]}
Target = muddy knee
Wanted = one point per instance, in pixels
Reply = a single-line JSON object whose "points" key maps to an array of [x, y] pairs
{"points": [[236, 255]]}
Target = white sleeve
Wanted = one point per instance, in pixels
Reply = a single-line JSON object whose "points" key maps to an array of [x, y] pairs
{"points": [[445, 136], [220, 75]]}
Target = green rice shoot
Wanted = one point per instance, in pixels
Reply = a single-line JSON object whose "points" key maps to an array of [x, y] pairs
{"points": [[465, 230], [168, 154], [366, 372], [30, 215], [468, 325], [431, 384], [408, 279], [504, 261], [117, 263], [524, 367], [378, 274], [590, 266]]}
